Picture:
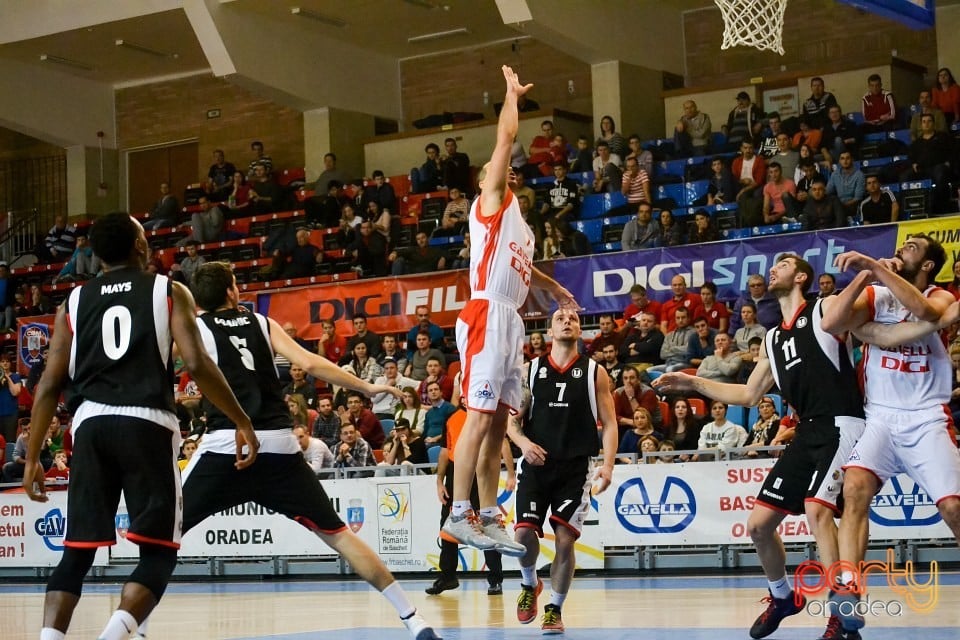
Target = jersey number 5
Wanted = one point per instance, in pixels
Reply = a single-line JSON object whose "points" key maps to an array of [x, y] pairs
{"points": [[246, 357]]}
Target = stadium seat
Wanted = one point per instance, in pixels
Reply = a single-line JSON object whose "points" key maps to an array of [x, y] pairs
{"points": [[698, 406], [593, 229], [597, 204], [387, 425], [433, 454]]}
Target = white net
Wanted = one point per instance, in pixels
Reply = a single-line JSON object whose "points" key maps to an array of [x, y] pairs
{"points": [[753, 23]]}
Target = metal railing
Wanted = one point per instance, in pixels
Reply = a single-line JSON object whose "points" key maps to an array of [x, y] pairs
{"points": [[19, 231]]}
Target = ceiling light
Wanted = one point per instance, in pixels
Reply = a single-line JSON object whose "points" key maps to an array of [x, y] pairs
{"points": [[67, 62], [143, 49], [462, 31], [333, 21]]}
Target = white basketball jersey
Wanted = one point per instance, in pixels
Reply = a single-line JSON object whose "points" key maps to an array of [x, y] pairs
{"points": [[913, 376], [501, 253]]}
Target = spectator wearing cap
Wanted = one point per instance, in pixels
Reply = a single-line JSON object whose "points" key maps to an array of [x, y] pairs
{"points": [[563, 199], [744, 122]]}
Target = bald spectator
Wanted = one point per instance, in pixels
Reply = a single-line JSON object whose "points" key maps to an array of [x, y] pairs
{"points": [[693, 131], [681, 298], [315, 451], [608, 336]]}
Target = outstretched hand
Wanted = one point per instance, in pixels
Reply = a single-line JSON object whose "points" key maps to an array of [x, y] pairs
{"points": [[854, 260], [565, 299], [513, 82], [674, 381]]}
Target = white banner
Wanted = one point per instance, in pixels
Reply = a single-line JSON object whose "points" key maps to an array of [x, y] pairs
{"points": [[31, 533], [706, 503]]}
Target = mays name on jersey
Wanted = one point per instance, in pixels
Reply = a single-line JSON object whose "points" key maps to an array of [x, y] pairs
{"points": [[116, 287]]}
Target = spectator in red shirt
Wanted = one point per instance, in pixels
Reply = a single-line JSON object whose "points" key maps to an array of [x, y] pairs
{"points": [[435, 373], [878, 107], [631, 396], [638, 302], [681, 298], [946, 95], [331, 345], [716, 313], [364, 420], [608, 335]]}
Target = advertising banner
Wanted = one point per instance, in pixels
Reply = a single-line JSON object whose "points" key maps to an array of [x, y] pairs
{"points": [[31, 533], [33, 334], [709, 503], [946, 230]]}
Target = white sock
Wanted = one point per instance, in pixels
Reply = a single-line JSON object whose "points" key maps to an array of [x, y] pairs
{"points": [[398, 598], [142, 629], [49, 633], [528, 575], [556, 599], [846, 577], [780, 589], [459, 508], [489, 512], [119, 627]]}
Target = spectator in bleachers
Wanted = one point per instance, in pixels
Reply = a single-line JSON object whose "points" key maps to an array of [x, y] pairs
{"points": [[410, 409], [520, 191], [303, 258], [536, 346], [701, 342], [778, 195], [878, 107], [60, 469], [238, 200], [785, 156], [60, 242], [607, 175], [946, 95], [816, 107], [572, 241], [266, 196], [563, 200], [642, 231], [219, 177], [281, 362], [165, 211], [300, 385], [720, 433], [324, 210], [326, 427], [807, 135], [385, 404], [362, 364], [767, 140], [456, 215], [671, 231], [435, 373], [10, 387], [763, 430], [642, 428], [808, 172], [610, 135], [390, 349], [429, 177], [381, 192], [551, 242], [404, 446], [518, 155], [364, 335], [722, 188], [681, 298], [40, 365], [540, 159], [644, 156], [438, 410], [315, 451], [642, 342], [300, 413], [723, 364], [369, 251], [693, 132], [330, 172], [462, 259], [12, 471], [423, 351], [608, 336], [716, 313], [353, 450], [822, 210], [207, 224], [383, 223], [766, 304], [456, 168], [847, 183], [260, 159], [434, 332], [925, 105], [363, 419], [584, 160], [683, 427], [828, 285], [349, 221], [331, 345], [83, 264], [743, 123], [639, 302], [750, 172], [749, 358], [676, 343], [840, 134], [633, 395], [635, 185], [560, 150], [879, 206], [930, 156], [749, 327], [189, 263], [530, 215]]}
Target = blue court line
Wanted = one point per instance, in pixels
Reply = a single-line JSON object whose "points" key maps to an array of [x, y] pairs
{"points": [[467, 583]]}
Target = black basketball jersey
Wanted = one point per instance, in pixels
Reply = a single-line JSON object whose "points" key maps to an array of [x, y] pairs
{"points": [[813, 368], [120, 354], [239, 342], [563, 408]]}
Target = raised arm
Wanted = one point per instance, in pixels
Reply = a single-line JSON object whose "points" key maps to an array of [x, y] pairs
{"points": [[746, 395], [495, 180], [849, 309], [563, 297], [923, 307], [888, 336]]}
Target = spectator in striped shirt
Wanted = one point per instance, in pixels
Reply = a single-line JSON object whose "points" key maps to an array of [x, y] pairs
{"points": [[635, 184]]}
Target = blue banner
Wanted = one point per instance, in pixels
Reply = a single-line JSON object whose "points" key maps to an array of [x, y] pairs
{"points": [[602, 282]]}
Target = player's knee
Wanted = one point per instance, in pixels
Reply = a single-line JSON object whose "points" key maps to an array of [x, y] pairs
{"points": [[950, 512], [762, 523], [527, 536], [155, 568], [71, 570], [858, 487], [819, 516]]}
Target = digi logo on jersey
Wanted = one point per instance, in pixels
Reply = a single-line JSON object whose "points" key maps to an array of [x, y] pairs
{"points": [[485, 392], [640, 511], [902, 503], [52, 527]]}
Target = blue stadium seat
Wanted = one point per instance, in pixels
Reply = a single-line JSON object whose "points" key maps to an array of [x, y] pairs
{"points": [[593, 229], [695, 190], [585, 177], [443, 241], [855, 116], [606, 247], [596, 204], [735, 234], [903, 135], [772, 229], [387, 425], [433, 454], [676, 192], [878, 136], [738, 415], [671, 168], [533, 182]]}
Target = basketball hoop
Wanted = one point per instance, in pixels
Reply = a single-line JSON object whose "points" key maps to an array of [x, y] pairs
{"points": [[753, 23]]}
